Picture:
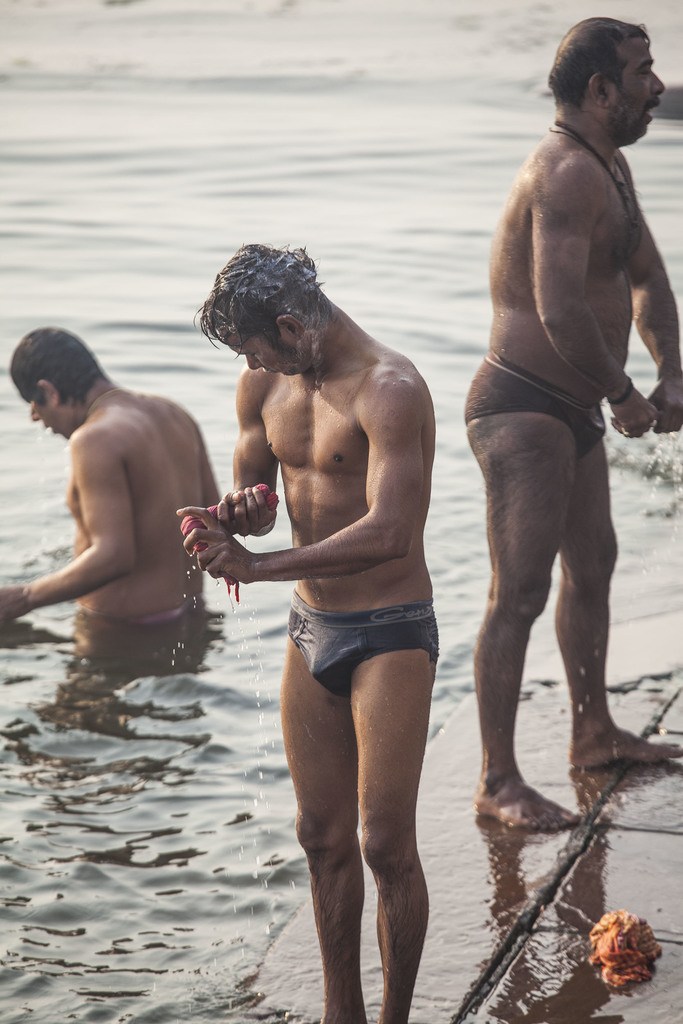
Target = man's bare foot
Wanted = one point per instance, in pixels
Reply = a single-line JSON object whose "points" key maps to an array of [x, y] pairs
{"points": [[519, 806], [619, 745]]}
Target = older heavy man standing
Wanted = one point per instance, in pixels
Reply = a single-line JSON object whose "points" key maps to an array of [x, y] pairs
{"points": [[349, 425], [573, 263]]}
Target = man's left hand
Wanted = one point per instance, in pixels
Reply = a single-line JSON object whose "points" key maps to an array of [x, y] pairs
{"points": [[668, 398], [247, 512]]}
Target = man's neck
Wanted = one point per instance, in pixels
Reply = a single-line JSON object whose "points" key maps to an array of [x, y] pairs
{"points": [[344, 348], [95, 395], [589, 128]]}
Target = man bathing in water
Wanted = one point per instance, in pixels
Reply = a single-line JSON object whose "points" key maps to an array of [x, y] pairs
{"points": [[134, 457], [573, 263], [349, 424]]}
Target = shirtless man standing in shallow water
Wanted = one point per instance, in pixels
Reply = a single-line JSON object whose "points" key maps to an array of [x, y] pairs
{"points": [[573, 264], [349, 424], [133, 459]]}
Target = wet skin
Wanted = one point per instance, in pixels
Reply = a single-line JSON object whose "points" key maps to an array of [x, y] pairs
{"points": [[570, 271], [348, 423], [133, 457]]}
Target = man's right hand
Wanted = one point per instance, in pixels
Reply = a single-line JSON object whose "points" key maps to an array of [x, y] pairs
{"points": [[635, 416], [14, 602]]}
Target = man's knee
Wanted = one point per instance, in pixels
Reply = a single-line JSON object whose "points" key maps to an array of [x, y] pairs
{"points": [[589, 573], [522, 596], [389, 850], [326, 840]]}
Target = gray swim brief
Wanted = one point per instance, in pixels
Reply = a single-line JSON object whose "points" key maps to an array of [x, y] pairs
{"points": [[335, 643]]}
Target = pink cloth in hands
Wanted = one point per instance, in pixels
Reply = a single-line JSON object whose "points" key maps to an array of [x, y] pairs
{"points": [[189, 523]]}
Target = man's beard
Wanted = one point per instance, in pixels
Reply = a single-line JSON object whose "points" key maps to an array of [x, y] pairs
{"points": [[287, 353], [626, 125]]}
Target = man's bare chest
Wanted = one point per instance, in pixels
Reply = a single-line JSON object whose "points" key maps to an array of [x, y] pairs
{"points": [[615, 238], [310, 431]]}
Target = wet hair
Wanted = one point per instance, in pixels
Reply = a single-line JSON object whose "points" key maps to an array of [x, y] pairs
{"points": [[50, 353], [258, 285], [590, 48]]}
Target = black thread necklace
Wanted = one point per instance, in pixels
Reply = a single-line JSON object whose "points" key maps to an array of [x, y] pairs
{"points": [[626, 194]]}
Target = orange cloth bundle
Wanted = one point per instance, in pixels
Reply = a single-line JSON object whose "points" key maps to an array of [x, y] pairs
{"points": [[190, 522], [625, 947]]}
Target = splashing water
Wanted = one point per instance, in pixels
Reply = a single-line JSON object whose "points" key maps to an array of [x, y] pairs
{"points": [[665, 467]]}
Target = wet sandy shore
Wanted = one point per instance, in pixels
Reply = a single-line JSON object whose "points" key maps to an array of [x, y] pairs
{"points": [[511, 911]]}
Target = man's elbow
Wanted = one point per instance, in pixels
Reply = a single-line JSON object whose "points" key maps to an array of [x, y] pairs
{"points": [[118, 565], [396, 542], [556, 317]]}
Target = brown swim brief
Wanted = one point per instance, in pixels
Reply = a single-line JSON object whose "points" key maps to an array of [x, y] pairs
{"points": [[501, 386]]}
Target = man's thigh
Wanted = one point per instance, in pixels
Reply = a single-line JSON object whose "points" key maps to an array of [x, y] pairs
{"points": [[528, 461], [320, 743], [390, 702], [588, 538]]}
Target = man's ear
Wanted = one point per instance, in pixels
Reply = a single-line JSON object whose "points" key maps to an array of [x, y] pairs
{"points": [[49, 395], [600, 89], [291, 329]]}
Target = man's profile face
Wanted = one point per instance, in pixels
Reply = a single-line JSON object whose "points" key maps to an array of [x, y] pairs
{"points": [[264, 354], [293, 352], [41, 412], [55, 415], [638, 93]]}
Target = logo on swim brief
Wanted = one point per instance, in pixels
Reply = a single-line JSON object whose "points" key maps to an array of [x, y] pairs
{"points": [[399, 613]]}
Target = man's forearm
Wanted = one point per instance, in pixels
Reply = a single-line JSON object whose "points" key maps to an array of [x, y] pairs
{"points": [[656, 319], [81, 576], [354, 549], [575, 335], [52, 589]]}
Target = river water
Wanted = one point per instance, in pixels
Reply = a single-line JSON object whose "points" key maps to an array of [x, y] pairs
{"points": [[147, 843]]}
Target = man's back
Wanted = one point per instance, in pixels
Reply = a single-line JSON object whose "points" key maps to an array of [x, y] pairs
{"points": [[135, 459]]}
